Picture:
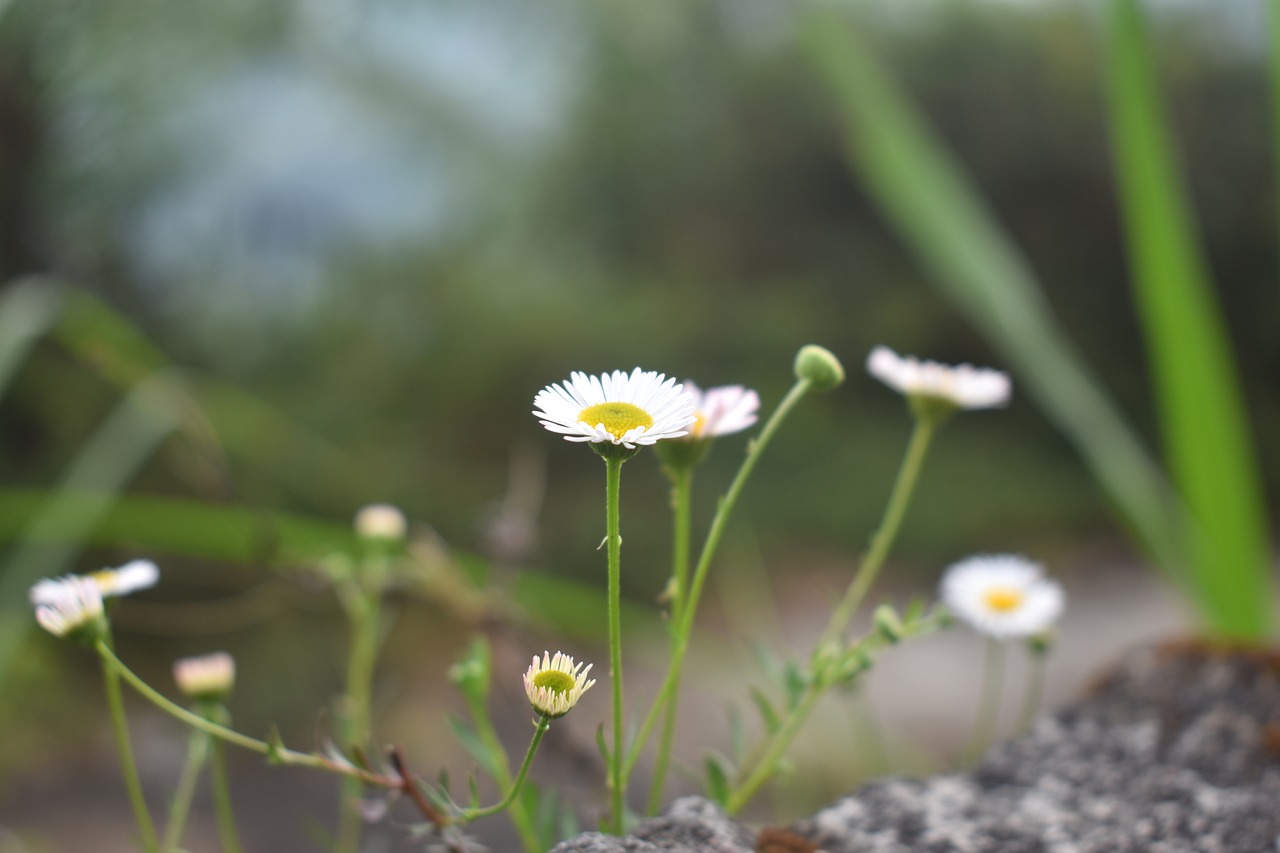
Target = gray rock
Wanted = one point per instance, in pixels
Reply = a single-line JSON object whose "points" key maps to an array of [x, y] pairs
{"points": [[1176, 751]]}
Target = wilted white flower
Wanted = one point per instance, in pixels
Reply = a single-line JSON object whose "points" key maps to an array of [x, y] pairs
{"points": [[208, 676], [555, 684], [129, 578], [1002, 595], [381, 521], [68, 605], [721, 411], [633, 409], [963, 386]]}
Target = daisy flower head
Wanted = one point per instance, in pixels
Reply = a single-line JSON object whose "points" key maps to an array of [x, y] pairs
{"points": [[616, 410], [127, 579], [938, 389], [721, 411], [208, 676], [555, 683], [1002, 595], [383, 522], [70, 607]]}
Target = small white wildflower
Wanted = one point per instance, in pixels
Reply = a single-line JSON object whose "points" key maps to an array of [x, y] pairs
{"points": [[1002, 595], [129, 578], [639, 408], [69, 605], [555, 684], [963, 386], [208, 676], [721, 411], [381, 521]]}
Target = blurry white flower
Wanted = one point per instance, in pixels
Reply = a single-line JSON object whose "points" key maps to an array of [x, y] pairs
{"points": [[721, 411], [129, 578], [963, 386], [1002, 595], [381, 521], [633, 409], [555, 684], [207, 676], [68, 605]]}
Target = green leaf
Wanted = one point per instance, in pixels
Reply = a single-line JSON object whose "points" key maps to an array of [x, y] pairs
{"points": [[28, 309], [1202, 413], [474, 745], [766, 709], [717, 780]]}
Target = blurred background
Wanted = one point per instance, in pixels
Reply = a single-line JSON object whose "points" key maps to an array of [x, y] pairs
{"points": [[344, 244]]}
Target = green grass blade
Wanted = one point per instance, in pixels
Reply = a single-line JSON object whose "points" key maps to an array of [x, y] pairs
{"points": [[104, 464], [27, 310], [944, 221], [1202, 414]]}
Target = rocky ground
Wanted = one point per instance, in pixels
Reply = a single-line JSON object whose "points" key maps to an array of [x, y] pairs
{"points": [[1177, 750]]}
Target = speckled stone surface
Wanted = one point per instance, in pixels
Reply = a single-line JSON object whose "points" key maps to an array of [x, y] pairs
{"points": [[1177, 750]]}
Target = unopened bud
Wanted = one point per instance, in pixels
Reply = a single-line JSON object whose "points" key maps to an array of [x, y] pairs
{"points": [[819, 366], [381, 521]]}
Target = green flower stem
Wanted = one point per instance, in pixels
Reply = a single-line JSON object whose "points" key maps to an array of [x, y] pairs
{"points": [[197, 754], [540, 729], [128, 768], [617, 779], [882, 541], [362, 599], [502, 774], [1033, 696], [681, 509], [669, 693], [277, 753], [760, 767], [984, 726], [222, 801]]}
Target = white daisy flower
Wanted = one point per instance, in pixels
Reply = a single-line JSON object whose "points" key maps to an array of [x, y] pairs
{"points": [[633, 409], [207, 676], [721, 411], [1002, 595], [555, 684], [129, 578], [68, 605], [381, 521], [963, 386]]}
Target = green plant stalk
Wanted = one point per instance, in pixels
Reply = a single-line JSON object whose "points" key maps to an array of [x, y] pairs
{"points": [[363, 602], [984, 726], [1273, 38], [763, 762], [896, 510], [502, 774], [669, 693], [277, 753], [617, 778], [544, 723], [222, 801], [128, 767], [1203, 420], [197, 754], [1033, 695], [681, 509]]}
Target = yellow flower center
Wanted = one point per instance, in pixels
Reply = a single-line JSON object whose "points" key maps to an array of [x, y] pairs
{"points": [[699, 424], [618, 418], [554, 680], [1002, 599]]}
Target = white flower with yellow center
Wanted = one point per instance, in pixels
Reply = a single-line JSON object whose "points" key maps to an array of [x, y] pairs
{"points": [[555, 684], [1002, 595], [69, 605], [207, 676], [963, 386], [633, 409], [129, 578], [721, 411]]}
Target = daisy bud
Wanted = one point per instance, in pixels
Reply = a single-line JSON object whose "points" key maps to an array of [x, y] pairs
{"points": [[206, 677], [382, 522], [819, 366]]}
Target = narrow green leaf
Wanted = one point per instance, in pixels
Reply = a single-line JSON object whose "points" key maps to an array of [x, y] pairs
{"points": [[767, 712], [717, 780], [474, 745], [1202, 413], [972, 260], [28, 309]]}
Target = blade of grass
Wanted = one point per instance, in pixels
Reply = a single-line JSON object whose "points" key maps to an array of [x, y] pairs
{"points": [[28, 309], [1202, 414], [944, 221]]}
